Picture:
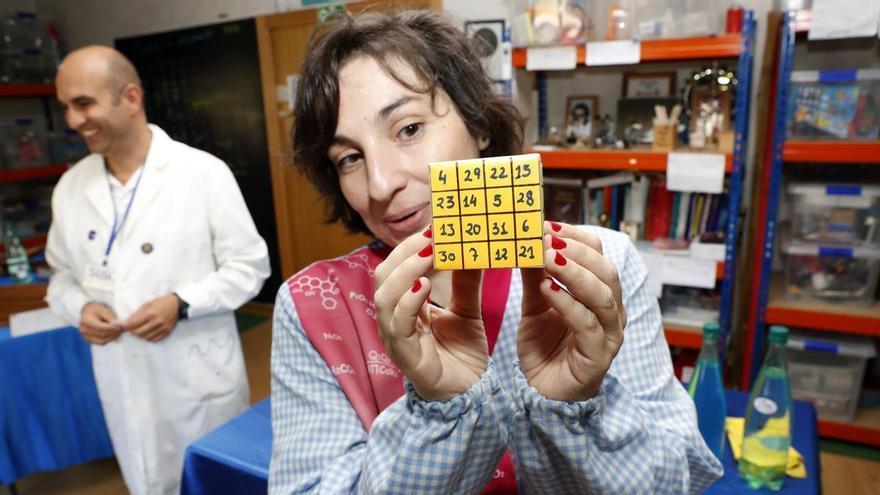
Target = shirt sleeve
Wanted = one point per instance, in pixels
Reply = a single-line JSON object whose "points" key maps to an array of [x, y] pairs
{"points": [[320, 446], [638, 435], [240, 254]]}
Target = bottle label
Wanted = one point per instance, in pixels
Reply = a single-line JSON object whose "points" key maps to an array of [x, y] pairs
{"points": [[765, 405]]}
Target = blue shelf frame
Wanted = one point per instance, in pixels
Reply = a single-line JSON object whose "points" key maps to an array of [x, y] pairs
{"points": [[734, 197], [735, 184]]}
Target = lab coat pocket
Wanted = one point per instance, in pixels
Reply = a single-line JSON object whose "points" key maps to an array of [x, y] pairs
{"points": [[214, 365]]}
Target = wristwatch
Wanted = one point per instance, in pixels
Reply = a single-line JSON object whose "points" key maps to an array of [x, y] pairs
{"points": [[182, 308]]}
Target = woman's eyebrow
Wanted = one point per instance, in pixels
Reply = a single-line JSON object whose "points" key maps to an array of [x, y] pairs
{"points": [[388, 109]]}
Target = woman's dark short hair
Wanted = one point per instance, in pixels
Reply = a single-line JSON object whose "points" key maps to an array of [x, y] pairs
{"points": [[441, 56]]}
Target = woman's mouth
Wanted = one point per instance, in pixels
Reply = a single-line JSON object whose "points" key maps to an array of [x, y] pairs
{"points": [[409, 221]]}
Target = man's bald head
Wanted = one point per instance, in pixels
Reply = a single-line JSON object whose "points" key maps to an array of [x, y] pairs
{"points": [[102, 98], [109, 65]]}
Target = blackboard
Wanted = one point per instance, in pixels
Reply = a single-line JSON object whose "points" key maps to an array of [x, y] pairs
{"points": [[202, 86]]}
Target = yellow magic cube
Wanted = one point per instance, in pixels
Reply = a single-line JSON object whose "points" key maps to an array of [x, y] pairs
{"points": [[488, 213]]}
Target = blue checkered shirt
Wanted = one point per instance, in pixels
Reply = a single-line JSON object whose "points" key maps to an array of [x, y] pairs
{"points": [[638, 435]]}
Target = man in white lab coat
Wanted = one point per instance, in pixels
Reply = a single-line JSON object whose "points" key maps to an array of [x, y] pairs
{"points": [[152, 249]]}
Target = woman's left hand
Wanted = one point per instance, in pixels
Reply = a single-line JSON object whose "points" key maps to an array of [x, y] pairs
{"points": [[567, 339]]}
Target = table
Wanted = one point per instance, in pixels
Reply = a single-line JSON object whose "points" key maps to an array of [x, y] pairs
{"points": [[50, 415], [234, 458]]}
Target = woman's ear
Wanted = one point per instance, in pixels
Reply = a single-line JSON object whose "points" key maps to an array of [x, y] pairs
{"points": [[483, 143]]}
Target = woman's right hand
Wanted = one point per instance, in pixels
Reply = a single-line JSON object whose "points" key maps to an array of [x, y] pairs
{"points": [[442, 351]]}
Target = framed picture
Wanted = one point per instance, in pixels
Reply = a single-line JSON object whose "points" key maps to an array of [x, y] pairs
{"points": [[657, 85], [580, 111], [488, 37]]}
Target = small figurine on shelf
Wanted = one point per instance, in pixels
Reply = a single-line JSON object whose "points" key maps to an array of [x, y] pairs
{"points": [[633, 134], [709, 124], [552, 137], [605, 132]]}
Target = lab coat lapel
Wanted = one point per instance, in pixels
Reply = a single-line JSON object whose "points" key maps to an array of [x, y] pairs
{"points": [[158, 158], [97, 189]]}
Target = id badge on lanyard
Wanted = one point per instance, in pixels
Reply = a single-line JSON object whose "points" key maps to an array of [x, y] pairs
{"points": [[98, 277]]}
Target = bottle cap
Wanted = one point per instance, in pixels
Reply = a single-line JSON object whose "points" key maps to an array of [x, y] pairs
{"points": [[711, 329], [778, 334]]}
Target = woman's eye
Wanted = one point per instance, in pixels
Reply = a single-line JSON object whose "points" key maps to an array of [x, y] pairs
{"points": [[348, 160], [410, 131]]}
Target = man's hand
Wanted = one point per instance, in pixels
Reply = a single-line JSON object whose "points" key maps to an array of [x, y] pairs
{"points": [[155, 319], [97, 324]]}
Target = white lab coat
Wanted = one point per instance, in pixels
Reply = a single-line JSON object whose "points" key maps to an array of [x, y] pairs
{"points": [[203, 245]]}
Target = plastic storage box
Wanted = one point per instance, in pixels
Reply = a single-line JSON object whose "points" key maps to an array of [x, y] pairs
{"points": [[674, 18], [840, 274], [840, 214], [689, 306], [827, 370], [25, 145], [843, 104]]}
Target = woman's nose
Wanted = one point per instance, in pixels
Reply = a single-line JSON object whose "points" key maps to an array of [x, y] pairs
{"points": [[385, 176]]}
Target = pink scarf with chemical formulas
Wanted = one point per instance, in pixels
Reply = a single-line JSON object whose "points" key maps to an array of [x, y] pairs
{"points": [[334, 300]]}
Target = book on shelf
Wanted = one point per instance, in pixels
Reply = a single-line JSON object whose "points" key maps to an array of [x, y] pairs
{"points": [[562, 200]]}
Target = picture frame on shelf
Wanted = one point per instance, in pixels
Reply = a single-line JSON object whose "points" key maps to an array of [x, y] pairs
{"points": [[580, 112], [488, 37], [652, 85]]}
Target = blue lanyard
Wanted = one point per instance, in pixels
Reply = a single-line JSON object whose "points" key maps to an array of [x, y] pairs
{"points": [[116, 229]]}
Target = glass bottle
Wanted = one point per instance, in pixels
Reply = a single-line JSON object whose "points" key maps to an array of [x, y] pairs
{"points": [[18, 266], [768, 419], [707, 390]]}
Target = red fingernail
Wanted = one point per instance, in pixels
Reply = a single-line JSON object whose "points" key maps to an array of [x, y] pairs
{"points": [[554, 286], [557, 243], [560, 260], [555, 226], [417, 286], [427, 233], [424, 253]]}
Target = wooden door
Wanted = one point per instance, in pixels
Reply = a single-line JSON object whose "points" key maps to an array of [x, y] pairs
{"points": [[303, 237]]}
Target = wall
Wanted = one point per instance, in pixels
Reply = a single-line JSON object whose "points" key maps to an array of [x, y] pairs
{"points": [[100, 21], [18, 6]]}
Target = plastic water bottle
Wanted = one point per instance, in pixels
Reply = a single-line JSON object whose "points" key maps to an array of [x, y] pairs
{"points": [[707, 390], [768, 419], [19, 267]]}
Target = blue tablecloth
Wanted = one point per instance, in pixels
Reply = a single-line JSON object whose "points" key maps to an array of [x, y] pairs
{"points": [[50, 415], [235, 457]]}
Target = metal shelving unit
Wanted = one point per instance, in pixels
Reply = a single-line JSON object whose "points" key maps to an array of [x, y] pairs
{"points": [[768, 304], [729, 46], [22, 175]]}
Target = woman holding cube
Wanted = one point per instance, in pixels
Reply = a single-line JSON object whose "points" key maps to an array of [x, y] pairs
{"points": [[389, 376]]}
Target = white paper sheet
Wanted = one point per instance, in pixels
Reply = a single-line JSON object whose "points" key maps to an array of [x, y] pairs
{"points": [[832, 19], [654, 266], [551, 58], [622, 52], [34, 321], [697, 172], [689, 272]]}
